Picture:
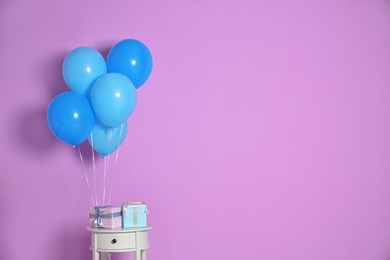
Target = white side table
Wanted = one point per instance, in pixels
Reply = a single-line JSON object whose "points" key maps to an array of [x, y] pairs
{"points": [[119, 240]]}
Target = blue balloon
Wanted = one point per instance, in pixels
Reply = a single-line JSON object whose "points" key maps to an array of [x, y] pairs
{"points": [[113, 99], [131, 58], [106, 140], [81, 68], [70, 117]]}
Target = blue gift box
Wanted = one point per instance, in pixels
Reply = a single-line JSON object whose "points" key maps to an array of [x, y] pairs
{"points": [[134, 214]]}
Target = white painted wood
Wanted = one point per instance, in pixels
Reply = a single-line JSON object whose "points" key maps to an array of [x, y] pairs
{"points": [[143, 241], [115, 241], [104, 255], [119, 240], [143, 254]]}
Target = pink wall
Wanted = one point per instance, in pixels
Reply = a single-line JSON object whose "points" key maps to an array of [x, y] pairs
{"points": [[263, 132]]}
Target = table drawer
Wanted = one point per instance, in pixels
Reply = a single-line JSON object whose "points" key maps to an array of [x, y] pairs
{"points": [[115, 241]]}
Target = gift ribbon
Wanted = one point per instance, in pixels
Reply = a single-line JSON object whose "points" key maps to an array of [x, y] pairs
{"points": [[135, 217], [99, 215]]}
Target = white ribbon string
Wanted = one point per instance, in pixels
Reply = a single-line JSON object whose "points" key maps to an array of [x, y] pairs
{"points": [[106, 164], [117, 151], [104, 178], [94, 171], [85, 173], [116, 160]]}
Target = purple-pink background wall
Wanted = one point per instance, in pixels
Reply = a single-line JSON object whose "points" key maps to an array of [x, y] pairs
{"points": [[262, 133]]}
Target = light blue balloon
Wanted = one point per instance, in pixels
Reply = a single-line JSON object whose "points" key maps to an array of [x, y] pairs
{"points": [[70, 117], [131, 58], [81, 68], [106, 140], [113, 99]]}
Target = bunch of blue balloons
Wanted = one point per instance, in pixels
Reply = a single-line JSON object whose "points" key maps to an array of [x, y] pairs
{"points": [[102, 95]]}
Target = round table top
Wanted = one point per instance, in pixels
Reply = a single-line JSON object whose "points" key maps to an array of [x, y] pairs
{"points": [[118, 230]]}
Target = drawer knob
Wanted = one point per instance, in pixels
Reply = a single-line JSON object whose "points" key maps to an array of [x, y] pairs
{"points": [[114, 241]]}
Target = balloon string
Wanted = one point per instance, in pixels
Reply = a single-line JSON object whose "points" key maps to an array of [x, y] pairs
{"points": [[94, 171], [85, 173], [109, 147], [104, 178], [116, 160], [120, 135], [106, 165]]}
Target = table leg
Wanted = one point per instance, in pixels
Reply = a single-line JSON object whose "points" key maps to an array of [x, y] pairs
{"points": [[137, 255], [143, 254], [104, 255], [140, 254], [95, 254]]}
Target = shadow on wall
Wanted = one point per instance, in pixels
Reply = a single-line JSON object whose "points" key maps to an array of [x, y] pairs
{"points": [[32, 134], [104, 48], [51, 76], [4, 216], [35, 131]]}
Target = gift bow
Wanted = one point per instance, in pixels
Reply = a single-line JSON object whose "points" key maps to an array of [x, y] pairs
{"points": [[134, 206]]}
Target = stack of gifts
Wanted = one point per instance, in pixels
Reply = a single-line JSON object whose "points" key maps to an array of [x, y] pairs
{"points": [[130, 215]]}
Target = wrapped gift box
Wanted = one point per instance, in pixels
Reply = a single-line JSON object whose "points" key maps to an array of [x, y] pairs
{"points": [[105, 217], [134, 214]]}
